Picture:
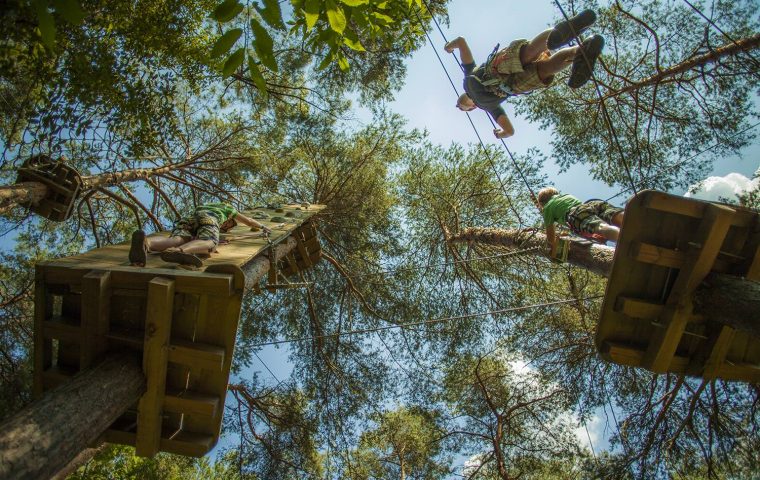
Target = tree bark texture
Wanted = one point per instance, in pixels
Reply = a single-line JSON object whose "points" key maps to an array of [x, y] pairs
{"points": [[259, 267], [44, 437], [24, 192], [594, 258], [730, 300], [741, 45]]}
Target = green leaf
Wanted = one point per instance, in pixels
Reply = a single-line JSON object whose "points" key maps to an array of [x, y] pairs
{"points": [[325, 62], [264, 45], [233, 62], [354, 3], [385, 19], [70, 10], [311, 12], [227, 10], [45, 22], [256, 76], [343, 63], [271, 14], [352, 41], [225, 42], [336, 16]]}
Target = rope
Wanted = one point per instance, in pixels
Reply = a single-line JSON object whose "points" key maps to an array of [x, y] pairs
{"points": [[474, 128], [425, 322], [602, 103], [461, 67]]}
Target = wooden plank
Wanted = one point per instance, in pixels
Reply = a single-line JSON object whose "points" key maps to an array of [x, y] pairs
{"points": [[637, 308], [55, 376], [743, 372], [647, 253], [664, 341], [126, 338], [303, 252], [43, 347], [753, 273], [692, 208], [197, 355], [718, 353], [633, 357], [155, 354], [191, 403], [62, 329], [96, 299], [189, 444]]}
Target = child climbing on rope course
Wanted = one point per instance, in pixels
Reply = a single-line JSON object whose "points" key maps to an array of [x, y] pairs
{"points": [[525, 66], [196, 234], [594, 217]]}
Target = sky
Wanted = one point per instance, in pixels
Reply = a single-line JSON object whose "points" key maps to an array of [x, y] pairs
{"points": [[427, 102]]}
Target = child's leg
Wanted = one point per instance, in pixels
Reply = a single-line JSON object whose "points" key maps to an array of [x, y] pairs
{"points": [[159, 244], [556, 63], [617, 220], [196, 246], [530, 52], [608, 231]]}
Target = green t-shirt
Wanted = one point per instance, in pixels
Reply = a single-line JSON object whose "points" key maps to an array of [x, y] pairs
{"points": [[222, 211], [555, 210]]}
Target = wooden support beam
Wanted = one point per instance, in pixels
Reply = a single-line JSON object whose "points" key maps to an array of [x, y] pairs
{"points": [[155, 354], [197, 355], [192, 403], [303, 252], [753, 273], [43, 347], [712, 231], [61, 329], [189, 444], [637, 308], [665, 257], [693, 208], [634, 357], [95, 310], [719, 350]]}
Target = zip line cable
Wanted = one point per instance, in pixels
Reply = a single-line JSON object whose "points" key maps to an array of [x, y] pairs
{"points": [[475, 129], [461, 67], [426, 322], [683, 162], [605, 112]]}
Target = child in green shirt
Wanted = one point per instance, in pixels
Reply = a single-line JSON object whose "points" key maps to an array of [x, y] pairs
{"points": [[592, 217], [197, 233]]}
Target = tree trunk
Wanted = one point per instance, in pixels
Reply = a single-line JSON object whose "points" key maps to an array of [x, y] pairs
{"points": [[594, 258], [725, 299], [33, 192], [44, 437], [21, 193], [741, 45], [730, 300], [257, 268]]}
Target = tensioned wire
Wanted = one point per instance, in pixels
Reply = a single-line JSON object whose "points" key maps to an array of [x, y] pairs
{"points": [[431, 321]]}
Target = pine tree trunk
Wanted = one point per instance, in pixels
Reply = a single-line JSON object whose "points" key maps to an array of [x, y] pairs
{"points": [[594, 258], [730, 300], [21, 193], [44, 437]]}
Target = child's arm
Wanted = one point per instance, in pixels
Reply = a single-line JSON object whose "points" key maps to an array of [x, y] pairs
{"points": [[551, 239], [251, 222], [507, 130], [464, 50]]}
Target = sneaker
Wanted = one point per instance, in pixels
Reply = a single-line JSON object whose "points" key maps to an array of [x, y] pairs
{"points": [[565, 31], [584, 61], [178, 256], [138, 252]]}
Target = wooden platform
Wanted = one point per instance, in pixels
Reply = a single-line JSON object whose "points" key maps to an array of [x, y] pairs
{"points": [[183, 322], [668, 245]]}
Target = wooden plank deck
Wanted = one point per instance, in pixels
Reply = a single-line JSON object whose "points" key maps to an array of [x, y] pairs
{"points": [[667, 246]]}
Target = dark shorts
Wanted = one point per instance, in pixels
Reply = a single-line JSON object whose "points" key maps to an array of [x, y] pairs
{"points": [[586, 217], [200, 225]]}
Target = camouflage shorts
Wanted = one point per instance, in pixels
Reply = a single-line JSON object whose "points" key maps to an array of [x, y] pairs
{"points": [[586, 217], [515, 77], [201, 226]]}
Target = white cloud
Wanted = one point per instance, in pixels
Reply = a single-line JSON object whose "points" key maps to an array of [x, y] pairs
{"points": [[715, 188]]}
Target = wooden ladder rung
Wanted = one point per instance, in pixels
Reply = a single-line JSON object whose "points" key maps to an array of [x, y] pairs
{"points": [[63, 329], [191, 403], [195, 354]]}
